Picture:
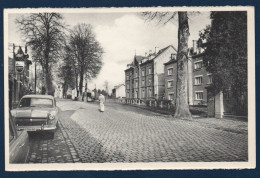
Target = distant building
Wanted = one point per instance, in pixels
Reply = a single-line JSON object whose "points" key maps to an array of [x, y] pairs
{"points": [[118, 91], [144, 78]]}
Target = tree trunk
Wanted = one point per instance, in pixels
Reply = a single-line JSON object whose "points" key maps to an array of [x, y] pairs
{"points": [[45, 81], [182, 107], [81, 77]]}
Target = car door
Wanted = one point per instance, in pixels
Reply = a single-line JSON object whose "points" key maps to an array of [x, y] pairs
{"points": [[18, 143]]}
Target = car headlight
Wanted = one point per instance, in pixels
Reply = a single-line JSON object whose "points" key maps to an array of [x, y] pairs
{"points": [[51, 116]]}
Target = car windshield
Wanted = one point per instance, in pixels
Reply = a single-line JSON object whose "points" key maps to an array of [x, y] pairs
{"points": [[36, 102]]}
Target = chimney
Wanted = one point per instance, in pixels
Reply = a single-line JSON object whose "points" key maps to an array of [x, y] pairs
{"points": [[195, 45]]}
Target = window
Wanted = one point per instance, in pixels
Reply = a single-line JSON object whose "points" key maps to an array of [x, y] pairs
{"points": [[143, 73], [170, 83], [198, 80], [209, 78], [199, 95], [136, 73], [170, 71], [170, 96], [143, 83], [127, 86], [127, 77], [149, 82], [198, 65], [136, 83], [150, 70], [136, 94], [150, 92], [11, 132], [127, 95], [143, 94]]}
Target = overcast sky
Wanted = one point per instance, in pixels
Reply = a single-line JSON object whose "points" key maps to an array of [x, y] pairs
{"points": [[121, 34]]}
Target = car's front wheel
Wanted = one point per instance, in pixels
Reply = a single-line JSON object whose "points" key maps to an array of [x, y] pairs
{"points": [[51, 134]]}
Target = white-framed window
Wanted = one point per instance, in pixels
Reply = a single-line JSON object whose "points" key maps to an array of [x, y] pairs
{"points": [[210, 78], [170, 83], [143, 83], [170, 96], [149, 82], [143, 72], [150, 71], [143, 93], [198, 65], [150, 92], [199, 95], [136, 83], [136, 94], [170, 71], [198, 80]]}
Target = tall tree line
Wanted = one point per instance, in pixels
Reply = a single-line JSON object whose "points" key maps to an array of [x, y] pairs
{"points": [[51, 41], [45, 34]]}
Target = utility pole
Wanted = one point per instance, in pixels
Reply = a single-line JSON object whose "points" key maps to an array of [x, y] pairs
{"points": [[35, 76]]}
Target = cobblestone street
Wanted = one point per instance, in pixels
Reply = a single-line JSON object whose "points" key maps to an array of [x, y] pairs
{"points": [[128, 134], [122, 135]]}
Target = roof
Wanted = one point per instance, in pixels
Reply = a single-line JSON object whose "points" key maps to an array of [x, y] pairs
{"points": [[198, 55], [118, 86], [148, 61], [164, 49], [139, 58], [39, 96], [170, 61]]}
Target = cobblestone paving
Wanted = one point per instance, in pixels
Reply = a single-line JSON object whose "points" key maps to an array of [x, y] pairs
{"points": [[122, 135]]}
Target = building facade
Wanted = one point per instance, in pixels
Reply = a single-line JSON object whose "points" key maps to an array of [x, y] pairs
{"points": [[170, 71], [144, 78], [18, 74], [201, 79], [119, 91]]}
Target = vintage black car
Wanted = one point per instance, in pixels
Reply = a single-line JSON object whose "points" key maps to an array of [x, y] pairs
{"points": [[36, 113]]}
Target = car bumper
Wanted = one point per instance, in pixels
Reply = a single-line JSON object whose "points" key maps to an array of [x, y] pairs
{"points": [[36, 128]]}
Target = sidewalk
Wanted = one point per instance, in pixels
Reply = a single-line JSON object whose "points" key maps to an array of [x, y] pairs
{"points": [[195, 111]]}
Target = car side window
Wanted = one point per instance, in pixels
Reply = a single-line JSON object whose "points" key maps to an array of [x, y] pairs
{"points": [[11, 133], [25, 102]]}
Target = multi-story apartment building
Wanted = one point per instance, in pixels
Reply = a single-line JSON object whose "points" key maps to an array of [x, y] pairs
{"points": [[197, 81], [145, 75], [170, 72], [201, 79]]}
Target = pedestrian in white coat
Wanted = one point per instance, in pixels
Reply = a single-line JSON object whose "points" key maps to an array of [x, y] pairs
{"points": [[101, 99]]}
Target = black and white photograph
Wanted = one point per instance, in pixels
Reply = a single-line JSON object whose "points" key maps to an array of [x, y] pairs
{"points": [[129, 88]]}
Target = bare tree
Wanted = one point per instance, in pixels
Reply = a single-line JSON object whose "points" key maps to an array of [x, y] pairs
{"points": [[182, 107], [45, 34], [86, 52]]}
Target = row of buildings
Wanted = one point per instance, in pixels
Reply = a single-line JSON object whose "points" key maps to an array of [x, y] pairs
{"points": [[154, 77]]}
